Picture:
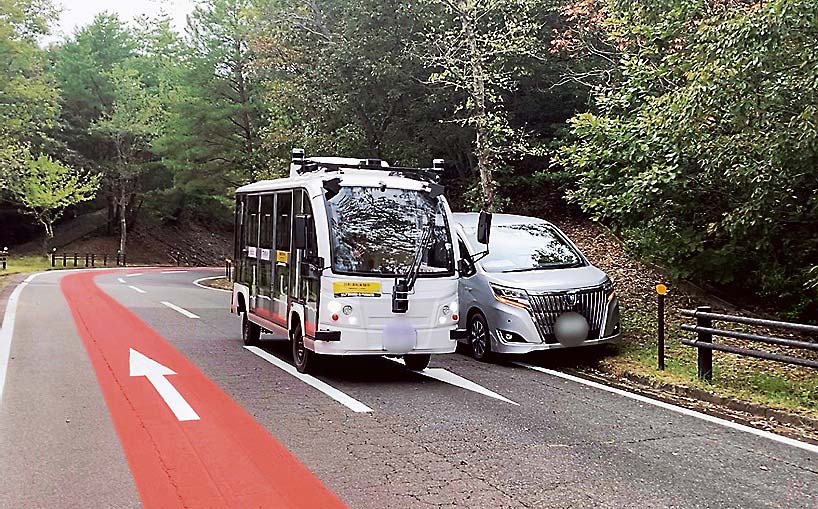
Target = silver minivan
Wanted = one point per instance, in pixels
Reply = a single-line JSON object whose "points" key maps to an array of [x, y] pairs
{"points": [[530, 289]]}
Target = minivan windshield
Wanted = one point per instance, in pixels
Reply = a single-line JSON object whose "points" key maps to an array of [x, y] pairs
{"points": [[377, 231], [524, 247]]}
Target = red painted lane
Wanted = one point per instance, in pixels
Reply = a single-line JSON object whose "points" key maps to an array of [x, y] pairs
{"points": [[226, 459]]}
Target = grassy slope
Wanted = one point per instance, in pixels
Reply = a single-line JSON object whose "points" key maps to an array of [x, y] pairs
{"points": [[762, 382]]}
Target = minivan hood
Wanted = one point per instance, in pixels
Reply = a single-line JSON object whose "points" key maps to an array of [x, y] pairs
{"points": [[549, 280]]}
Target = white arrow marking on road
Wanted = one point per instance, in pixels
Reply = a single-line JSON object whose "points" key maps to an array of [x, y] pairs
{"points": [[448, 377], [142, 365]]}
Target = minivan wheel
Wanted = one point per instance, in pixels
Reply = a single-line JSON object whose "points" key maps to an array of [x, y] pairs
{"points": [[302, 357], [417, 361], [479, 340], [250, 332]]}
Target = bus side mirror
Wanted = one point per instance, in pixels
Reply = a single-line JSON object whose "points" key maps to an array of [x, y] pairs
{"points": [[300, 231], [484, 227]]}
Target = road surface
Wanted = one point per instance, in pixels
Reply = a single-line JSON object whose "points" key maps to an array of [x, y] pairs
{"points": [[132, 387]]}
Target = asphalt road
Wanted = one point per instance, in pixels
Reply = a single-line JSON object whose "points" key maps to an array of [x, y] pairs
{"points": [[465, 434]]}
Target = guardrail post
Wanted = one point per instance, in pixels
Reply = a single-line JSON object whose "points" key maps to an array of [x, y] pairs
{"points": [[92, 259], [54, 258], [76, 256], [124, 260], [64, 259], [86, 260], [5, 256], [705, 355], [105, 259]]}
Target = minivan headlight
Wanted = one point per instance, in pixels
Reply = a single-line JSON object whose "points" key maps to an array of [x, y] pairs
{"points": [[511, 296]]}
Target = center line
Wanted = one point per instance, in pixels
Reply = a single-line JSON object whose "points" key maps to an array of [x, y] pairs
{"points": [[348, 401], [180, 310], [140, 290]]}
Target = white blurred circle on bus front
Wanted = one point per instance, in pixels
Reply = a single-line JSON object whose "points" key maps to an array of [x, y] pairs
{"points": [[571, 329], [399, 337]]}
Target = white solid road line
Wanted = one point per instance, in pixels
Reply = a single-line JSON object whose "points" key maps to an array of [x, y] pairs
{"points": [[673, 408], [7, 329], [140, 290], [198, 283], [120, 280], [448, 377], [142, 365], [180, 310], [344, 399]]}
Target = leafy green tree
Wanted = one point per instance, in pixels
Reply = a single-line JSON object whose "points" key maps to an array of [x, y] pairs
{"points": [[134, 121], [45, 188], [704, 147], [212, 139], [479, 49]]}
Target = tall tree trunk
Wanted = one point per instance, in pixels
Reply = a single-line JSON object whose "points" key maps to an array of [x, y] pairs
{"points": [[480, 113], [49, 235], [123, 220]]}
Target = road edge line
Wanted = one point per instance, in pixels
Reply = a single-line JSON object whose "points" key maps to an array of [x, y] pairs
{"points": [[7, 328], [197, 283], [678, 409]]}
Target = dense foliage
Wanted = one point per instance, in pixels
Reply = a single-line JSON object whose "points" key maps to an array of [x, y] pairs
{"points": [[704, 145], [688, 125]]}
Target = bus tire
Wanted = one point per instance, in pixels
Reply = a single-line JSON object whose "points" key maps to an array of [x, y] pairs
{"points": [[250, 332], [479, 339], [303, 358], [418, 361]]}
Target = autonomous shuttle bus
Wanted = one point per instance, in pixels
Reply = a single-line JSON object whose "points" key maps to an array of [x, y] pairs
{"points": [[348, 257]]}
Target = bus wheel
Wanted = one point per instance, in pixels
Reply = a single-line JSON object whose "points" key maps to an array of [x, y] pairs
{"points": [[250, 332], [302, 357], [417, 362]]}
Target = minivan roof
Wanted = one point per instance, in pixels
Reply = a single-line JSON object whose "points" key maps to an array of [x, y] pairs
{"points": [[469, 219]]}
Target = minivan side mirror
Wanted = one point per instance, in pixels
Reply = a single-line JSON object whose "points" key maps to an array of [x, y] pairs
{"points": [[466, 267], [300, 231], [484, 227]]}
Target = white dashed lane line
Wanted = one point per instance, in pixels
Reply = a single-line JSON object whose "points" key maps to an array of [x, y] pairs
{"points": [[120, 280], [342, 398], [173, 271], [179, 310], [134, 275], [140, 290]]}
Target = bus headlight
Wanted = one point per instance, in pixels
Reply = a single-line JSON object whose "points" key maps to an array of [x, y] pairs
{"points": [[511, 296]]}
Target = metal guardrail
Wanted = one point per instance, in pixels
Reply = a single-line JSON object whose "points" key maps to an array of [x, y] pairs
{"points": [[85, 259], [705, 332]]}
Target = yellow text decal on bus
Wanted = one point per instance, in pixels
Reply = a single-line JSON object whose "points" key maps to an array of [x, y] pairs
{"points": [[356, 289]]}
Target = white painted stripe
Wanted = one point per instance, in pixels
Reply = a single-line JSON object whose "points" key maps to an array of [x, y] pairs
{"points": [[448, 377], [134, 275], [180, 310], [173, 271], [342, 398], [7, 329], [120, 280], [140, 290], [198, 283], [673, 408]]}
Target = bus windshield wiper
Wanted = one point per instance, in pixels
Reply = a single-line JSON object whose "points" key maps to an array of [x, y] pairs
{"points": [[400, 293]]}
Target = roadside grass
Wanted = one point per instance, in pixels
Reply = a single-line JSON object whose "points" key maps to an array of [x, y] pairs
{"points": [[25, 264], [766, 383]]}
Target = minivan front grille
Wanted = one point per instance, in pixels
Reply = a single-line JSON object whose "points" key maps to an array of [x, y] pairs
{"points": [[545, 308]]}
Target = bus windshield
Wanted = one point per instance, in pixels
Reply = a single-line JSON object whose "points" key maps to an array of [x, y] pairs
{"points": [[377, 231]]}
